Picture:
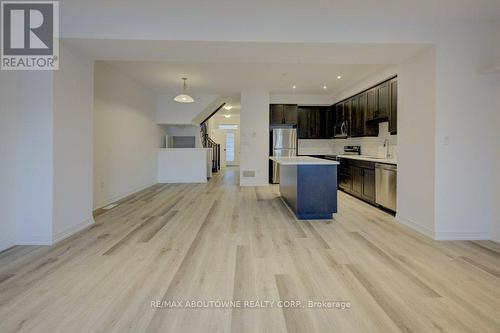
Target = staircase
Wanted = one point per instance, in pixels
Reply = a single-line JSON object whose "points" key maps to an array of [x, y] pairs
{"points": [[209, 143]]}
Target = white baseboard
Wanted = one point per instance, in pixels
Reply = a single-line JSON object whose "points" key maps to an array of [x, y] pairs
{"points": [[35, 240], [415, 226], [6, 243], [452, 235], [121, 196], [495, 236], [71, 230]]}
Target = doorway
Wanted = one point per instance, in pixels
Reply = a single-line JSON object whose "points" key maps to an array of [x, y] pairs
{"points": [[228, 136]]}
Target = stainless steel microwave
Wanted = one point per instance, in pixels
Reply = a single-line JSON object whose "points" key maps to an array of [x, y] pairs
{"points": [[341, 130]]}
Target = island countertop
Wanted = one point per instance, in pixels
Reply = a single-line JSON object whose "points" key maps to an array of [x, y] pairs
{"points": [[302, 160]]}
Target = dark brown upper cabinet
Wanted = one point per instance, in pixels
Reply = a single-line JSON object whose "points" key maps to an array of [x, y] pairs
{"points": [[393, 110], [372, 103], [382, 112], [313, 122], [357, 117], [330, 122], [290, 116], [347, 115], [368, 128], [283, 114]]}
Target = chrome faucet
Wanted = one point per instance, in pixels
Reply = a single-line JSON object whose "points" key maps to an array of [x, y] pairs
{"points": [[386, 146]]}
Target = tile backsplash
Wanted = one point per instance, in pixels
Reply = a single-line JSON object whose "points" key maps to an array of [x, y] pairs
{"points": [[371, 146]]}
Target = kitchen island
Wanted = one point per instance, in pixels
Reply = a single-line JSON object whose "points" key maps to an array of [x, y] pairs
{"points": [[308, 186]]}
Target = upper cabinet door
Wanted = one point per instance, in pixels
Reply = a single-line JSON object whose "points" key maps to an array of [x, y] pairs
{"points": [[290, 115], [339, 114], [372, 103], [356, 123], [276, 114], [393, 111], [303, 123], [382, 111], [347, 115], [330, 122]]}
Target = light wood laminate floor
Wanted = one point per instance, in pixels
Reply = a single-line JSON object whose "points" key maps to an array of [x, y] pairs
{"points": [[222, 242]]}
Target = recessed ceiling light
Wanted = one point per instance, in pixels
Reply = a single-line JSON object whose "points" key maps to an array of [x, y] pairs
{"points": [[227, 115], [324, 87], [339, 77], [294, 86], [228, 107]]}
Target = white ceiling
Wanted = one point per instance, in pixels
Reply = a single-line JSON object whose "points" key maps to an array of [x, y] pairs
{"points": [[232, 78], [162, 19]]}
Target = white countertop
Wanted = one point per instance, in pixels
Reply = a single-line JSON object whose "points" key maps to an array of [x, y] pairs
{"points": [[302, 160], [370, 159], [182, 149]]}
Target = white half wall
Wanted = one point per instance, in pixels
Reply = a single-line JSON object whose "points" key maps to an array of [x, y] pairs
{"points": [[126, 136], [8, 81], [183, 165], [254, 136], [34, 158], [73, 112]]}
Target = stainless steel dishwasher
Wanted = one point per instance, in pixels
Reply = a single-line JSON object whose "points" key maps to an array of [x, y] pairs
{"points": [[386, 185]]}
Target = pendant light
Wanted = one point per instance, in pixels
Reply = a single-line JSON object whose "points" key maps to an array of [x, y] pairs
{"points": [[184, 98]]}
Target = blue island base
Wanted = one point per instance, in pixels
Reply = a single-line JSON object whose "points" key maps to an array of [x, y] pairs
{"points": [[310, 190]]}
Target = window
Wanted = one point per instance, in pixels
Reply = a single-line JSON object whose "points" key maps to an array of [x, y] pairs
{"points": [[229, 147], [228, 127]]}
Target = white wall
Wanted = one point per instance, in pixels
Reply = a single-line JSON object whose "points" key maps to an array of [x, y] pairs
{"points": [[254, 136], [183, 130], [169, 111], [301, 99], [496, 150], [34, 157], [126, 136], [8, 81], [73, 111], [464, 104], [416, 137]]}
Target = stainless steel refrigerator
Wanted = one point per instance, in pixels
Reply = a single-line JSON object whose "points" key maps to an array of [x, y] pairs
{"points": [[284, 144]]}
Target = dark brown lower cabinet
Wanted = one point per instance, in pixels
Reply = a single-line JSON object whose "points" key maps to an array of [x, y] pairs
{"points": [[358, 179], [368, 193]]}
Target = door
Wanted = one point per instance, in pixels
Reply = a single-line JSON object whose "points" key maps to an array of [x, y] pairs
{"points": [[315, 123], [372, 104], [393, 111], [290, 114], [303, 123], [276, 114], [284, 138], [382, 111], [357, 117], [229, 140], [347, 115], [369, 185], [232, 151], [329, 122], [357, 180]]}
